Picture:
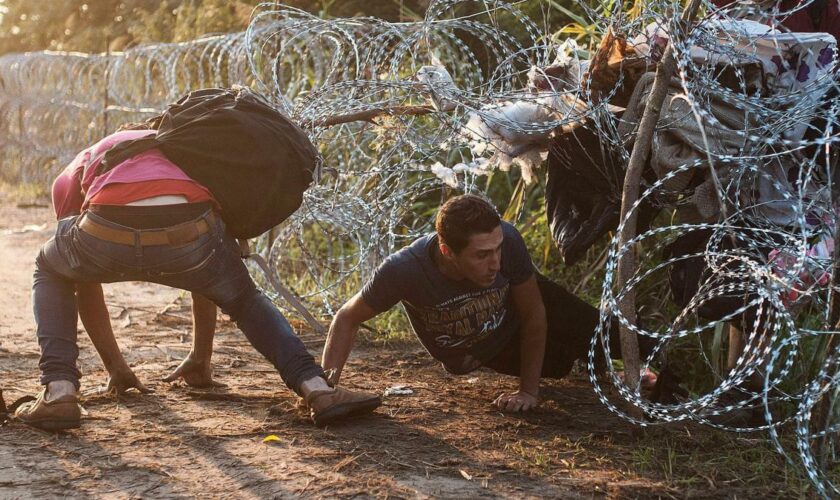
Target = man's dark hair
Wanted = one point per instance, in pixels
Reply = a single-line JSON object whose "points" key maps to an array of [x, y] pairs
{"points": [[463, 216]]}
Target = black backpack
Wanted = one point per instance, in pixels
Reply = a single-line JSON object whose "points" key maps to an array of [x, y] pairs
{"points": [[254, 160]]}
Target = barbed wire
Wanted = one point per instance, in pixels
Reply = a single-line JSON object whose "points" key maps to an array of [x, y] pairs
{"points": [[763, 253], [741, 171]]}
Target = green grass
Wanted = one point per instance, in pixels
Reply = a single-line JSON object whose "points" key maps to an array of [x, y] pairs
{"points": [[389, 328], [720, 460]]}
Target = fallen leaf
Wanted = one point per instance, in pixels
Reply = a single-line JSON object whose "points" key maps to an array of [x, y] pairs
{"points": [[271, 438], [465, 474]]}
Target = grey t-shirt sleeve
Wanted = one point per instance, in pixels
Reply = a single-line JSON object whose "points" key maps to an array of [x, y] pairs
{"points": [[516, 261], [386, 288]]}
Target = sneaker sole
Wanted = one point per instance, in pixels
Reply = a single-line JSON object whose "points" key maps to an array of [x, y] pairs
{"points": [[346, 410]]}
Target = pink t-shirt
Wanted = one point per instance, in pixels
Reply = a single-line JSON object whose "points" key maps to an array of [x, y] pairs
{"points": [[149, 165], [78, 184], [67, 195]]}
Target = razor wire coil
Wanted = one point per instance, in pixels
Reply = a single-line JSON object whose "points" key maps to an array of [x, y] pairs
{"points": [[763, 250]]}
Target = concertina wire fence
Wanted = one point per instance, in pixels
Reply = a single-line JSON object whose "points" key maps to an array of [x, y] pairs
{"points": [[758, 105]]}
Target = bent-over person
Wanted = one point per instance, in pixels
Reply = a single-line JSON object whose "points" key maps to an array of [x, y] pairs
{"points": [[146, 220]]}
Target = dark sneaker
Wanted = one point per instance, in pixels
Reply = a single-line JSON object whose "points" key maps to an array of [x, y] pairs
{"points": [[58, 414], [328, 406]]}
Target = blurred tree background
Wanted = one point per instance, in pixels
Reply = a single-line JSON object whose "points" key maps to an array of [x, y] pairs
{"points": [[116, 25], [101, 25]]}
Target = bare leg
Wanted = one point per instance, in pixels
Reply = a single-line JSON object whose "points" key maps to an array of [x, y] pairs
{"points": [[737, 344]]}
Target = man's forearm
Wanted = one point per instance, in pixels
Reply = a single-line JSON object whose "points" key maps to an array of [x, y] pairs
{"points": [[204, 327], [532, 351], [195, 368], [94, 315], [339, 344]]}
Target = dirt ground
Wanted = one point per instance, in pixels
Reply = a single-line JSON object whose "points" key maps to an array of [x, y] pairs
{"points": [[443, 440]]}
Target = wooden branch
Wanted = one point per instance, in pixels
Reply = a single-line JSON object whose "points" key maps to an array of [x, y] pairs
{"points": [[630, 194], [370, 114]]}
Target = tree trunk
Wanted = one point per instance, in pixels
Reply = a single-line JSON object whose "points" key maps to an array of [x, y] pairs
{"points": [[630, 194]]}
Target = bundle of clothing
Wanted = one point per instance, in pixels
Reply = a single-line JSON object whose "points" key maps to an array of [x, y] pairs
{"points": [[708, 131]]}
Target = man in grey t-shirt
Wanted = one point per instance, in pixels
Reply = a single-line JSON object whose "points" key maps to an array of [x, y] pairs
{"points": [[473, 299]]}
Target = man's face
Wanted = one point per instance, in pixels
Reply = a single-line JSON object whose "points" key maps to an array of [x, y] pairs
{"points": [[481, 259]]}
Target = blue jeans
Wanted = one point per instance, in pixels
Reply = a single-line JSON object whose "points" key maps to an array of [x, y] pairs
{"points": [[210, 265]]}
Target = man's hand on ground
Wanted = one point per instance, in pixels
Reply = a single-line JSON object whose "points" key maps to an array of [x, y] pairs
{"points": [[195, 373], [123, 379], [516, 401]]}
